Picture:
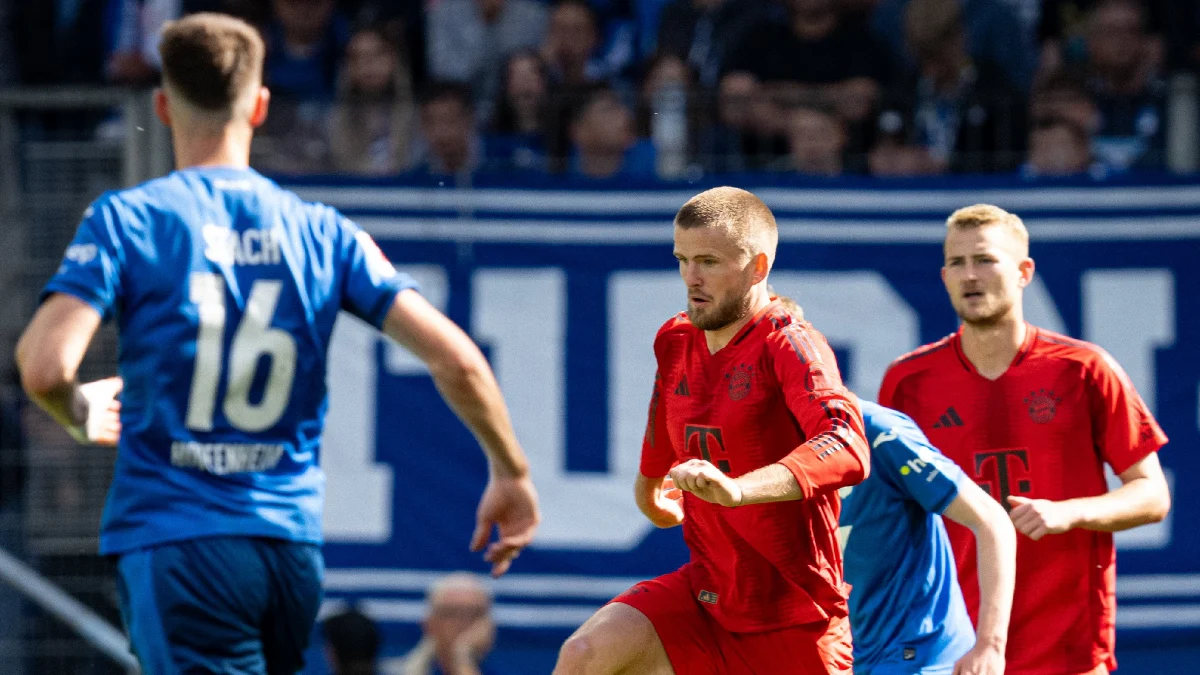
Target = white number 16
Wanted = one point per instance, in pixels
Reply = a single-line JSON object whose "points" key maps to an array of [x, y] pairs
{"points": [[254, 338]]}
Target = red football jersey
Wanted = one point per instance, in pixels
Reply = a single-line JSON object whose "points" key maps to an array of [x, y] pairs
{"points": [[772, 395], [1043, 430]]}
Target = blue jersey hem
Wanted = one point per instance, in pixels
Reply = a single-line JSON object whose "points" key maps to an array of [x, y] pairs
{"points": [[119, 544]]}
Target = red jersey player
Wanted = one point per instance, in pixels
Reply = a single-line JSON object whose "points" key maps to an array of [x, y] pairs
{"points": [[1032, 416], [750, 418]]}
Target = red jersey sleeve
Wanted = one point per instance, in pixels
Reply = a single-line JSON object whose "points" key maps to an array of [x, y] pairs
{"points": [[658, 456], [836, 453], [1121, 422]]}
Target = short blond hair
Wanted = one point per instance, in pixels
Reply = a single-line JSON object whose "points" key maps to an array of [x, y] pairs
{"points": [[747, 219], [987, 215]]}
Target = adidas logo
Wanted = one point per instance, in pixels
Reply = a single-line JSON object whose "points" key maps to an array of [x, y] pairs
{"points": [[682, 389], [948, 419]]}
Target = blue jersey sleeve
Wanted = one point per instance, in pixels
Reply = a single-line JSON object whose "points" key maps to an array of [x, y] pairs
{"points": [[915, 469], [371, 282], [91, 267]]}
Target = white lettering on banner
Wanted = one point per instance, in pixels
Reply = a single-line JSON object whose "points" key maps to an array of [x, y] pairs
{"points": [[860, 310], [359, 490], [1131, 313], [1113, 302], [521, 314], [1040, 309]]}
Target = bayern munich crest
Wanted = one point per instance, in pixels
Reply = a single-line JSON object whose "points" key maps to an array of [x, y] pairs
{"points": [[740, 380], [1042, 405]]}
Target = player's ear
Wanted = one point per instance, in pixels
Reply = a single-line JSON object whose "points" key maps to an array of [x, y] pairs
{"points": [[761, 267], [1026, 267], [161, 108], [262, 101]]}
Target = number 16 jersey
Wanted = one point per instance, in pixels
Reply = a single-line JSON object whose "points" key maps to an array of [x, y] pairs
{"points": [[225, 289]]}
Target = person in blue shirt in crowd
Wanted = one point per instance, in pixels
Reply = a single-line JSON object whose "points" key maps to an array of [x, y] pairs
{"points": [[906, 609], [225, 288]]}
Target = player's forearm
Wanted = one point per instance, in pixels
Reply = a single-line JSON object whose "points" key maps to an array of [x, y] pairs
{"points": [[1139, 502], [996, 550], [64, 403], [50, 386], [831, 460], [469, 387], [771, 483]]}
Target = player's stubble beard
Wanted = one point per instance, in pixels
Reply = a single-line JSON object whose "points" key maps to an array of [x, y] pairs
{"points": [[987, 320], [728, 311]]}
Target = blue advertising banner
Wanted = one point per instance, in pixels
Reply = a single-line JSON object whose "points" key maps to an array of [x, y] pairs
{"points": [[564, 290]]}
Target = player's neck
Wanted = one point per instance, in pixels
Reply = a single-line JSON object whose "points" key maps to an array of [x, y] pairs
{"points": [[991, 349], [229, 148], [717, 339]]}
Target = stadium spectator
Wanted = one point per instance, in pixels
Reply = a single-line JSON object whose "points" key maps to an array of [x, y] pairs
{"points": [[449, 145], [816, 50], [352, 643], [1059, 147], [816, 141], [305, 42], [994, 33], [1064, 26], [1183, 35], [522, 113], [458, 632], [703, 32], [668, 113], [373, 118], [892, 158], [61, 41], [134, 60], [572, 38], [1062, 95], [604, 144], [965, 113], [740, 139], [469, 41], [1122, 72]]}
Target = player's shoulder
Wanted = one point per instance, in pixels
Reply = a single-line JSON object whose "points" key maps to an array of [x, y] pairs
{"points": [[676, 325], [1048, 343], [924, 358], [1087, 356]]}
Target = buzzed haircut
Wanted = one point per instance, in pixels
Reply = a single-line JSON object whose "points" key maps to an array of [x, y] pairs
{"points": [[213, 61], [987, 215], [741, 213]]}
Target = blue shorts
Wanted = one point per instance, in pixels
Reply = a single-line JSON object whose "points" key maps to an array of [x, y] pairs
{"points": [[221, 605]]}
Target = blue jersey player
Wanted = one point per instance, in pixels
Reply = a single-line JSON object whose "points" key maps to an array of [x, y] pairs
{"points": [[906, 610], [225, 289]]}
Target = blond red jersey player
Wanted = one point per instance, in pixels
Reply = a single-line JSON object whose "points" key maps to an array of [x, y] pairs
{"points": [[1032, 417], [749, 418]]}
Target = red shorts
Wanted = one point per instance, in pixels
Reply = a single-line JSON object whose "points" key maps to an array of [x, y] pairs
{"points": [[697, 645]]}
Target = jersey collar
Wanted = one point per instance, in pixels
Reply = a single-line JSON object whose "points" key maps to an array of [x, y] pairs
{"points": [[1022, 351]]}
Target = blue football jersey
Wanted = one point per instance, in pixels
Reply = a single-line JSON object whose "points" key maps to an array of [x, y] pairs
{"points": [[225, 289], [906, 610]]}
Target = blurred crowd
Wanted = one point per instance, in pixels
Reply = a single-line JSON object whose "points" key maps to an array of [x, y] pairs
{"points": [[602, 89]]}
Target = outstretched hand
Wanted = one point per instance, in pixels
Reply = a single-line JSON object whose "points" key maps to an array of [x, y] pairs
{"points": [[510, 505]]}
